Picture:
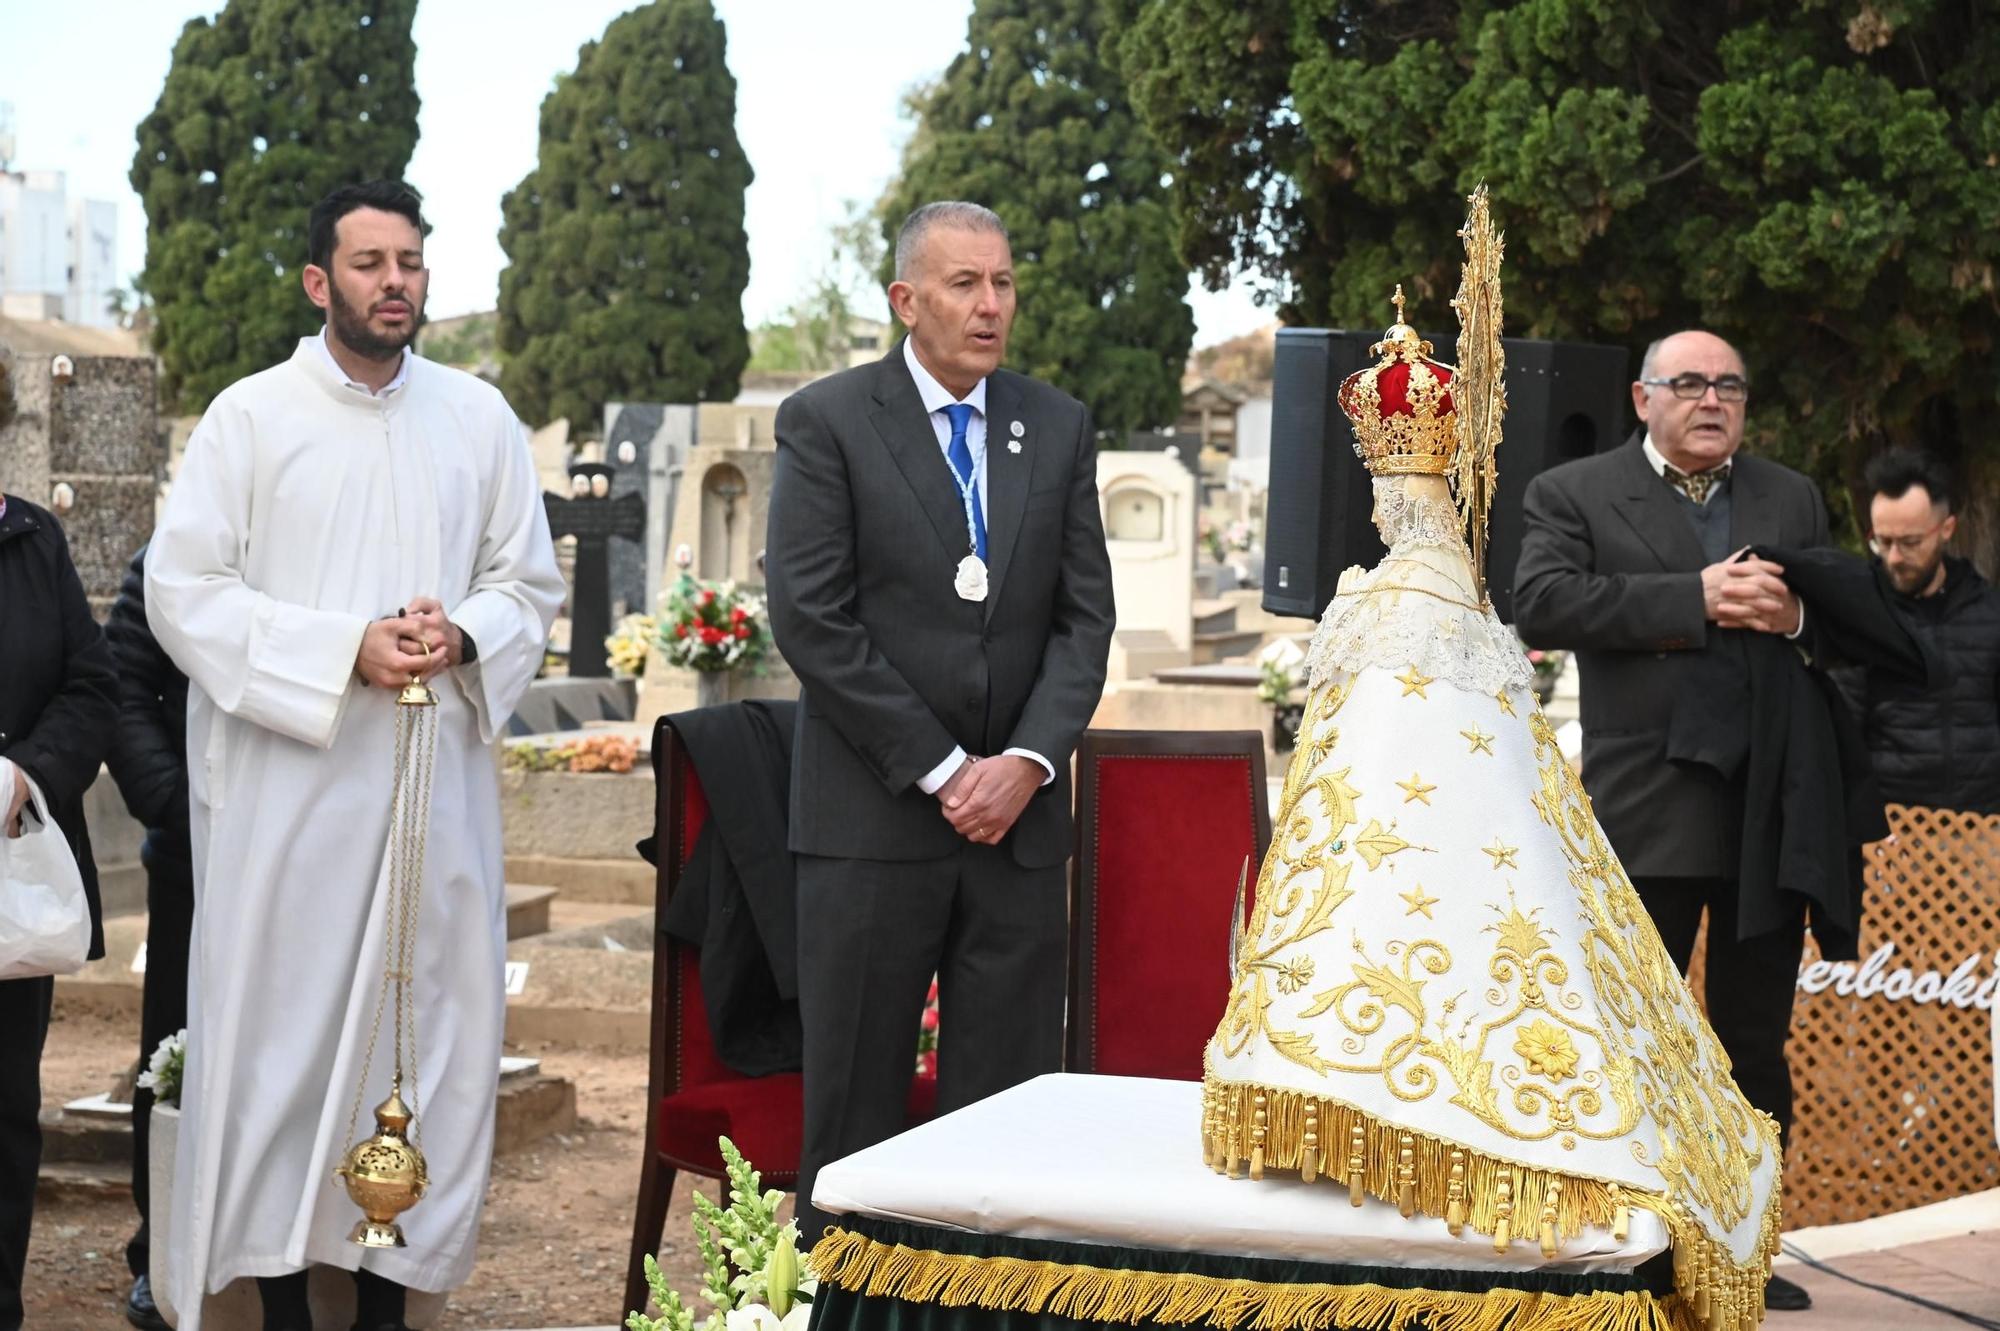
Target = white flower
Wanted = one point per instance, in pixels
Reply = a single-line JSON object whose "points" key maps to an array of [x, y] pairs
{"points": [[759, 1317], [163, 1070], [1283, 653]]}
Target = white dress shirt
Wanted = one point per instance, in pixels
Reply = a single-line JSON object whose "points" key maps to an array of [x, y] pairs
{"points": [[402, 369], [936, 398]]}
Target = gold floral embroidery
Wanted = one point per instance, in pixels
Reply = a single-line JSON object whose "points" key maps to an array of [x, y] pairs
{"points": [[1711, 1140], [1547, 1051], [1540, 1054]]}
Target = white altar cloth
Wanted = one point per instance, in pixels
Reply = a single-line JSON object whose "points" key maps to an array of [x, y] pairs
{"points": [[1117, 1161]]}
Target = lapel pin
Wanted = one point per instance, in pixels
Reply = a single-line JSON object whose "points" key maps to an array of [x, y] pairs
{"points": [[1013, 445], [1016, 429]]}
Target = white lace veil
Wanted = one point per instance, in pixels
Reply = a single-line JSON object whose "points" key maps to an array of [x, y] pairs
{"points": [[1417, 606]]}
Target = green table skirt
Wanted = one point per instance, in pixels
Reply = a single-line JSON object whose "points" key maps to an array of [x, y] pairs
{"points": [[879, 1275]]}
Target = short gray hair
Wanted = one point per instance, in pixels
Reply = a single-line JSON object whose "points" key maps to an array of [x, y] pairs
{"points": [[966, 216]]}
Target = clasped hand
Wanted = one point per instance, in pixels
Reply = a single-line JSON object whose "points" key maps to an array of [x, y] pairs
{"points": [[985, 795], [1749, 593], [393, 650]]}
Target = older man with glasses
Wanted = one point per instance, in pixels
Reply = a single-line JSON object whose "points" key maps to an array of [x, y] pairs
{"points": [[1637, 560], [1938, 747]]}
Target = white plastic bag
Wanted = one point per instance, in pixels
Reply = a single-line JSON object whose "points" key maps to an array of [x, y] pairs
{"points": [[44, 915]]}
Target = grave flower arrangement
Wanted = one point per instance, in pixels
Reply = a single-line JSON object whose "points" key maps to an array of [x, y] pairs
{"points": [[165, 1069], [593, 753], [629, 643], [711, 626]]}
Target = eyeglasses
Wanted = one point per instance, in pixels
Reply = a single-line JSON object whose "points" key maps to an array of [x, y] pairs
{"points": [[1908, 545], [1693, 387]]}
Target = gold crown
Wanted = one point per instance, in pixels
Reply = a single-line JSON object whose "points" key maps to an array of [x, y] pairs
{"points": [[1401, 407]]}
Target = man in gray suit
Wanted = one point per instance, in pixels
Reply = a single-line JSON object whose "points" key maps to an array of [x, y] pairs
{"points": [[939, 582], [1630, 559]]}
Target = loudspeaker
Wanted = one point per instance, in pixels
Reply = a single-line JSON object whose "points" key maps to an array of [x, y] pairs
{"points": [[1564, 400]]}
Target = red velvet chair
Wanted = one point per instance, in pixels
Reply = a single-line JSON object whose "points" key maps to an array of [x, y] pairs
{"points": [[1165, 821], [692, 1097]]}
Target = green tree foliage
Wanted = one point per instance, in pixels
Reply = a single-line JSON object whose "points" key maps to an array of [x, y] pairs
{"points": [[1817, 180], [626, 252], [267, 107], [1031, 121]]}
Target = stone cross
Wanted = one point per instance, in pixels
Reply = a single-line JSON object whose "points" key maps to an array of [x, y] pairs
{"points": [[592, 516]]}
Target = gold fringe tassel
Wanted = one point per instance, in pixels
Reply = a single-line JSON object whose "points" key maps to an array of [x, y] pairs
{"points": [[1501, 1199], [859, 1264]]}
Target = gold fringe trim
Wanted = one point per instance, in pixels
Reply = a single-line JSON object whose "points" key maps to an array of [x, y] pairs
{"points": [[1284, 1130], [861, 1265]]}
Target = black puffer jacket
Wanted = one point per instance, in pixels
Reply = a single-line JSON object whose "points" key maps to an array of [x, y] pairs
{"points": [[1940, 747], [149, 757]]}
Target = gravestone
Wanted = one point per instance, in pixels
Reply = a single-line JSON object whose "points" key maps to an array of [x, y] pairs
{"points": [[84, 442], [646, 445], [593, 518], [1149, 520]]}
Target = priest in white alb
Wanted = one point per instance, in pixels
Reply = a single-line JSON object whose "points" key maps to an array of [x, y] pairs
{"points": [[342, 522]]}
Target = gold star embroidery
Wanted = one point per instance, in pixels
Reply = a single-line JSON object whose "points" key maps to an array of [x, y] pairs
{"points": [[1414, 790], [1506, 703], [1481, 741], [1413, 682], [1419, 902], [1503, 854]]}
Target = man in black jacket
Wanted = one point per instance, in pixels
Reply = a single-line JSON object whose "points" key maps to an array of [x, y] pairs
{"points": [[56, 719], [149, 763], [1631, 559], [1934, 747]]}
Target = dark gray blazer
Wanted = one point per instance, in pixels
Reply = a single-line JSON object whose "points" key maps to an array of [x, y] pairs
{"points": [[1611, 569], [866, 533]]}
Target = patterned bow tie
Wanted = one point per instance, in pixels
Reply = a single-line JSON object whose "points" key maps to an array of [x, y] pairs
{"points": [[1701, 484]]}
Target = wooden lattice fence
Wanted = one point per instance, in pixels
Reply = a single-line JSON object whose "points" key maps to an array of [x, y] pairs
{"points": [[1893, 1088]]}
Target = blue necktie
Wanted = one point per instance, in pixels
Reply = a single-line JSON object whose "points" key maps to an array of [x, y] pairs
{"points": [[959, 454]]}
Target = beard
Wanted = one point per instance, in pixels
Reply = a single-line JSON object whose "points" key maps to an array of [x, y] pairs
{"points": [[1915, 581], [351, 327]]}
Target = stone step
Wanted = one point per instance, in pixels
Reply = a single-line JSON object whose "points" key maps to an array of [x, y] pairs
{"points": [[84, 1183], [1213, 648], [581, 996], [72, 1138], [626, 880], [568, 917], [1213, 615], [528, 910], [90, 1154]]}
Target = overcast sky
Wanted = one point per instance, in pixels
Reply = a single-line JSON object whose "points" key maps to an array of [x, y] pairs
{"points": [[818, 84]]}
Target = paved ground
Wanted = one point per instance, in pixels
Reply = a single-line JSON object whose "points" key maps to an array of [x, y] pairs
{"points": [[1961, 1273]]}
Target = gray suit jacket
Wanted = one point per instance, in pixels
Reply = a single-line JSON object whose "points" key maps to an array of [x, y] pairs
{"points": [[866, 533], [1611, 569]]}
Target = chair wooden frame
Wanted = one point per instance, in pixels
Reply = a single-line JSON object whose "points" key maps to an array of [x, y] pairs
{"points": [[664, 1061]]}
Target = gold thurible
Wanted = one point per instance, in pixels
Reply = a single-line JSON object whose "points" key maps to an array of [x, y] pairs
{"points": [[385, 1173]]}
